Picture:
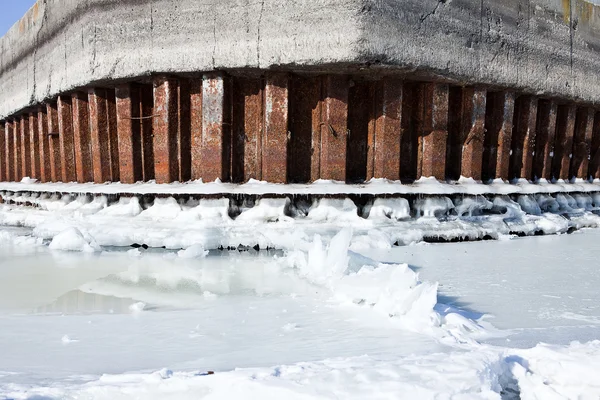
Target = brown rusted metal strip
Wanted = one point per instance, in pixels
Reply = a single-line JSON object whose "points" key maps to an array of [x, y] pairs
{"points": [[34, 145], [165, 129], [54, 143], [276, 128], [523, 141], [67, 148], [10, 151], [82, 137], [360, 129], [563, 145], [216, 128], [582, 142], [388, 125], [18, 157], [25, 146], [544, 144], [196, 128], [247, 129], [44, 142], [184, 139], [128, 130], [433, 130], [594, 167], [334, 127], [498, 126], [3, 154], [99, 135], [304, 148], [466, 130], [409, 135], [113, 135], [146, 110]]}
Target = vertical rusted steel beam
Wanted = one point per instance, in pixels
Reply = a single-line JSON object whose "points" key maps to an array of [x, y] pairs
{"points": [[304, 147], [34, 145], [25, 146], [409, 137], [523, 141], [18, 156], [334, 127], [276, 128], [582, 142], [466, 130], [44, 142], [247, 129], [594, 167], [10, 152], [544, 143], [184, 140], [67, 148], [146, 111], [196, 127], [99, 135], [361, 131], [82, 138], [498, 125], [433, 130], [388, 125], [3, 154], [128, 130], [113, 135], [54, 143], [563, 146], [165, 129], [216, 128]]}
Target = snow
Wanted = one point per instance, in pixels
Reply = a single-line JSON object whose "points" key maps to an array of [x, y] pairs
{"points": [[336, 313]]}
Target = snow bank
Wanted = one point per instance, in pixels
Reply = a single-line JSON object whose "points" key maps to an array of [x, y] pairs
{"points": [[72, 239]]}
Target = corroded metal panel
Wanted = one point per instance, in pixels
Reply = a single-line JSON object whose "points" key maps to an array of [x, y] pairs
{"points": [[334, 127], [9, 151], [99, 135], [113, 135], [54, 142], [146, 111], [433, 130], [25, 145], [498, 126], [275, 136], [67, 148], [128, 131], [184, 150], [34, 143], [44, 143], [582, 142], [474, 102], [361, 131], [594, 168], [216, 128], [247, 129], [18, 156], [304, 148], [563, 145], [387, 125], [81, 137], [544, 144], [523, 141], [165, 129], [3, 176], [196, 127]]}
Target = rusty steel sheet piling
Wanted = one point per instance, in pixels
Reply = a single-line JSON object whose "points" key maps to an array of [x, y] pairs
{"points": [[25, 146], [388, 127], [34, 145], [99, 135], [582, 142], [334, 127], [544, 143], [523, 140], [54, 142], [3, 172], [44, 143], [433, 130], [563, 145], [276, 128], [10, 149], [498, 126], [81, 137], [67, 147], [594, 167]]}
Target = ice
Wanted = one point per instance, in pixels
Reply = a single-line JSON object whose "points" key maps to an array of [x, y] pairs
{"points": [[333, 210], [529, 205], [126, 207], [72, 239], [266, 210], [392, 208], [193, 251], [434, 206], [469, 206]]}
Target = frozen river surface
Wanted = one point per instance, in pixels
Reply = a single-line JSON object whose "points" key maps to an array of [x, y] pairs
{"points": [[102, 325]]}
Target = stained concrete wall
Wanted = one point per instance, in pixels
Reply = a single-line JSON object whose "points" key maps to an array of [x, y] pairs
{"points": [[550, 47]]}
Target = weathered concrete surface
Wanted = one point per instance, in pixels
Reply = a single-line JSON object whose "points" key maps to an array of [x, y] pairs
{"points": [[540, 46]]}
